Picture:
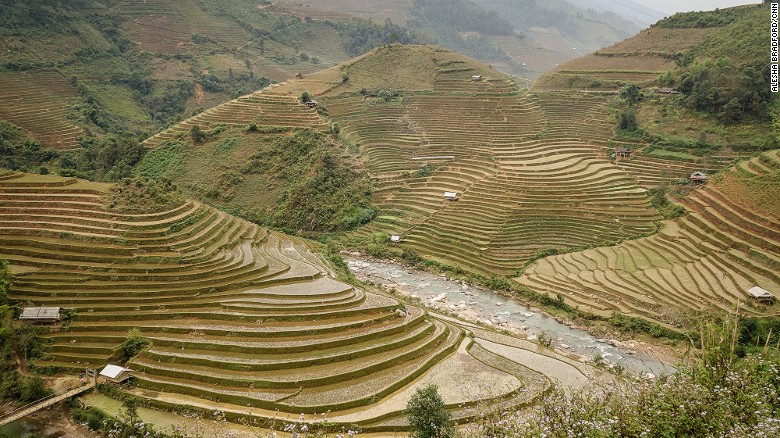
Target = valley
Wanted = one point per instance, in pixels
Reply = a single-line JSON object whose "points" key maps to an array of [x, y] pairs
{"points": [[287, 219]]}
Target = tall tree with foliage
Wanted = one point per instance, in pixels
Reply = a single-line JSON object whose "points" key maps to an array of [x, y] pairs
{"points": [[427, 416]]}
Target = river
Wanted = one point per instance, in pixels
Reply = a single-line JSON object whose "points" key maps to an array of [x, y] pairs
{"points": [[491, 308]]}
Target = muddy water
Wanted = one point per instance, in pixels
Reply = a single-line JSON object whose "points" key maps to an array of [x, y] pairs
{"points": [[29, 427], [491, 308]]}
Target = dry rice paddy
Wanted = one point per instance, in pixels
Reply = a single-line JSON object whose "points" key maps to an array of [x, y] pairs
{"points": [[240, 319]]}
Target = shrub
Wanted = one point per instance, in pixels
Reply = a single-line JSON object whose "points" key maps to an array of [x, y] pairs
{"points": [[631, 93], [427, 416], [32, 389], [142, 194], [197, 134], [133, 344]]}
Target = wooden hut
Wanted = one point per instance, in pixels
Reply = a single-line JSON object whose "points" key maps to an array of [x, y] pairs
{"points": [[699, 178], [622, 153], [43, 315], [761, 295], [667, 90]]}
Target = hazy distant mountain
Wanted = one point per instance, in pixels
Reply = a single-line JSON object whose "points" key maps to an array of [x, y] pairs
{"points": [[626, 9], [523, 37]]}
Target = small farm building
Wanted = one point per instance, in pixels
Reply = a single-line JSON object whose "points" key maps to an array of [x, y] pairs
{"points": [[451, 196], [299, 75], [622, 152], [699, 178], [40, 314], [395, 238], [476, 78], [115, 373], [761, 295], [667, 91], [312, 104]]}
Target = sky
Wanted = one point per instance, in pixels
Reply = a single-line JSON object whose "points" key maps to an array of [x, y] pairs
{"points": [[671, 6]]}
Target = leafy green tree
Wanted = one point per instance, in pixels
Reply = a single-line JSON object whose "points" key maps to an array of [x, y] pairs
{"points": [[631, 93], [197, 134], [427, 416], [133, 344], [627, 120], [5, 282], [666, 78], [305, 97]]}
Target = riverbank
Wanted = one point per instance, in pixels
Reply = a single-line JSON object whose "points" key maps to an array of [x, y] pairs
{"points": [[500, 311]]}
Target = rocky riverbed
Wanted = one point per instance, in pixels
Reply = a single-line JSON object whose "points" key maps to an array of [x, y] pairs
{"points": [[480, 305]]}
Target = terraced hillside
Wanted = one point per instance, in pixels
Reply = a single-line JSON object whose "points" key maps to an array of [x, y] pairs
{"points": [[99, 67], [728, 33], [39, 103], [530, 169], [639, 59], [241, 319], [260, 108], [707, 260]]}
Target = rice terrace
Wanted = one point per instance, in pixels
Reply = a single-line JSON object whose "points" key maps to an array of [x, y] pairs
{"points": [[285, 219]]}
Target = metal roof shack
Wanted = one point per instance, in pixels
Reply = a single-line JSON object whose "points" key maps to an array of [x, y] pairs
{"points": [[115, 373], [699, 177], [451, 196], [395, 238], [761, 295], [476, 78], [667, 91], [623, 152], [40, 314], [312, 103]]}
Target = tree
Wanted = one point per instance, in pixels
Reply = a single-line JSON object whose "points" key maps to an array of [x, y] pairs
{"points": [[305, 97], [197, 134], [627, 120], [666, 78], [631, 93], [732, 111], [133, 344], [427, 416], [5, 282]]}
